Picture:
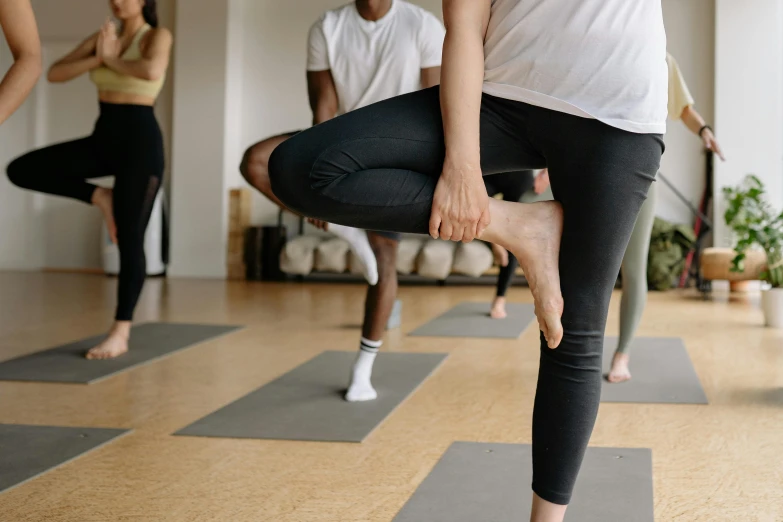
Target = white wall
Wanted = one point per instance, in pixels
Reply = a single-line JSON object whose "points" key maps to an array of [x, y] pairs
{"points": [[41, 231], [749, 97], [205, 148], [690, 30]]}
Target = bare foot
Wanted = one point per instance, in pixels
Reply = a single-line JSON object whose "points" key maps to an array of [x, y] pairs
{"points": [[102, 198], [501, 255], [113, 346], [532, 232], [619, 372], [498, 310]]}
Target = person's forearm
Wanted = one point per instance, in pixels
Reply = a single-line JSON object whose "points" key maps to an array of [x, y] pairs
{"points": [[17, 83], [692, 120], [322, 113], [63, 72], [143, 69], [462, 76]]}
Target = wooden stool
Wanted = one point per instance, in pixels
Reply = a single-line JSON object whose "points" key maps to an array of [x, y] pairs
{"points": [[716, 266]]}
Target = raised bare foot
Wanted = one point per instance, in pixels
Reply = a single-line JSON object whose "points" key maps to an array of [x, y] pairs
{"points": [[498, 310], [501, 255], [532, 232], [102, 198], [619, 372]]}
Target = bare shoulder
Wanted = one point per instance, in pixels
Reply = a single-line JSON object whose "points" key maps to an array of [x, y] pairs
{"points": [[157, 35]]}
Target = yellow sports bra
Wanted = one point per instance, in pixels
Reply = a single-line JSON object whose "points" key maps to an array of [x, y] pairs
{"points": [[107, 80]]}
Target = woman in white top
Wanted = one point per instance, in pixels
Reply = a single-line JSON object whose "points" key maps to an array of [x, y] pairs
{"points": [[577, 87], [18, 23]]}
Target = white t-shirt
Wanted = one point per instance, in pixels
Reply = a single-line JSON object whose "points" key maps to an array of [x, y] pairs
{"points": [[373, 61], [603, 59]]}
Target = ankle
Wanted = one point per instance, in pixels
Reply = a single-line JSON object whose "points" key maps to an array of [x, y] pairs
{"points": [[121, 329]]}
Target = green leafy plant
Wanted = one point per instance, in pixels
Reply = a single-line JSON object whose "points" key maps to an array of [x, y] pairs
{"points": [[755, 222]]}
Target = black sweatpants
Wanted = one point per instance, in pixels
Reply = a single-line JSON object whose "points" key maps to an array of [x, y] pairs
{"points": [[512, 186], [377, 167], [126, 143]]}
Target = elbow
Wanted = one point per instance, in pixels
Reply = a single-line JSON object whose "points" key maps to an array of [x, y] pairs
{"points": [[54, 76], [153, 74]]}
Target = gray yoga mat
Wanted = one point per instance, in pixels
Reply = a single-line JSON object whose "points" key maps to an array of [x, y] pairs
{"points": [[473, 320], [491, 483], [661, 370], [148, 342], [307, 402], [29, 451]]}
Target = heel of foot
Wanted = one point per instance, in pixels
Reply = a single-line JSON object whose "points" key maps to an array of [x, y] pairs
{"points": [[361, 393]]}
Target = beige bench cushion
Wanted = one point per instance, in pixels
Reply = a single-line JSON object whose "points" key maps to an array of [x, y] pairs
{"points": [[298, 255], [473, 259]]}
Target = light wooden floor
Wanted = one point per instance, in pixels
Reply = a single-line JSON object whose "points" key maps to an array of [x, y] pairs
{"points": [[722, 462]]}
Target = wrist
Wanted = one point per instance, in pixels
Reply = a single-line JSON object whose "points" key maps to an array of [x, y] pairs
{"points": [[462, 161], [703, 129]]}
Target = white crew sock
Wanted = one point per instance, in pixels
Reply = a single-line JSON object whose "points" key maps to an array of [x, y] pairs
{"points": [[361, 388], [357, 239]]}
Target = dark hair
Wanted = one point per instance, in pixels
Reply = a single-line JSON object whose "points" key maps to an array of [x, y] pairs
{"points": [[150, 12]]}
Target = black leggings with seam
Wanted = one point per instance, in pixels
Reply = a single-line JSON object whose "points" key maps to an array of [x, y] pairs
{"points": [[377, 167], [126, 143]]}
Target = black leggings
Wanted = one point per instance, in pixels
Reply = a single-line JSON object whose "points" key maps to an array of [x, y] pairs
{"points": [[512, 185], [127, 144], [377, 167]]}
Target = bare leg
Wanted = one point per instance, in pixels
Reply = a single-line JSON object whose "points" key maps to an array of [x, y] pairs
{"points": [[532, 233], [102, 198], [377, 310], [498, 309], [115, 344], [544, 511]]}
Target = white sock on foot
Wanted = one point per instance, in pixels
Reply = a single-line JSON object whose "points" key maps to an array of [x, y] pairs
{"points": [[360, 245], [361, 388]]}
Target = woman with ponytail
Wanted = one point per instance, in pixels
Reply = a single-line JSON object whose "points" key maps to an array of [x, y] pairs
{"points": [[128, 65]]}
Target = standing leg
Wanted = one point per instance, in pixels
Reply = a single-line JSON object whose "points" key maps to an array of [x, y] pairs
{"points": [[61, 170], [377, 310], [255, 170], [634, 275], [601, 176], [134, 197]]}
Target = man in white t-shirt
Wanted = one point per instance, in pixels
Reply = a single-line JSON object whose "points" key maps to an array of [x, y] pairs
{"points": [[359, 54]]}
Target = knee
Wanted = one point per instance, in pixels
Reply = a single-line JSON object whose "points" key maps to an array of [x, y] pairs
{"points": [[16, 172], [254, 167]]}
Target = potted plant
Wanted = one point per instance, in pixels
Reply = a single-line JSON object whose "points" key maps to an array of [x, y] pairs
{"points": [[755, 223]]}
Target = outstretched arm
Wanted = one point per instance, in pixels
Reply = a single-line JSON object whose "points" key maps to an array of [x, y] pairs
{"points": [[460, 209], [18, 23]]}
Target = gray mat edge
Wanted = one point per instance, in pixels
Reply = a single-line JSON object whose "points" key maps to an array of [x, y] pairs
{"points": [[413, 333], [435, 368], [649, 451], [605, 382], [124, 432], [235, 328]]}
